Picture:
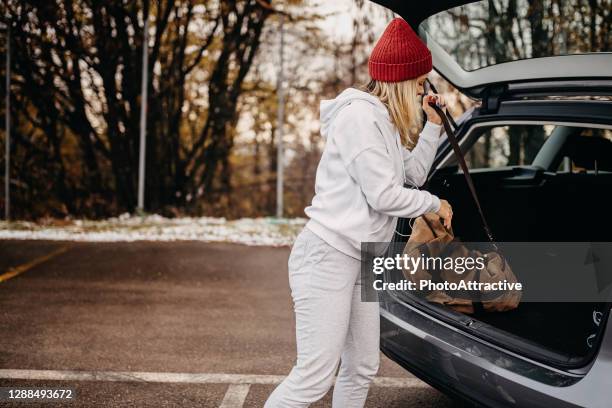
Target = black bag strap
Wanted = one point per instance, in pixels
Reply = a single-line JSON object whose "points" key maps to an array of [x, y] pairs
{"points": [[461, 159]]}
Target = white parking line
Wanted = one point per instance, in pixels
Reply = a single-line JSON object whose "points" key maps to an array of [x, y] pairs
{"points": [[235, 396], [187, 378]]}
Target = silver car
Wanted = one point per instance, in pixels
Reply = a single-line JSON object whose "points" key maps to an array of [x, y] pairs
{"points": [[539, 148]]}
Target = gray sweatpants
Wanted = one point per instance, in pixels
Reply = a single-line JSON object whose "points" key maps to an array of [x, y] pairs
{"points": [[332, 325]]}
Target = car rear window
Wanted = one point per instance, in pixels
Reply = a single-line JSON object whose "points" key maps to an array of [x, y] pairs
{"points": [[490, 32], [587, 149], [510, 145]]}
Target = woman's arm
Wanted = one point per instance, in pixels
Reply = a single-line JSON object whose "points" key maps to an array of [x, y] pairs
{"points": [[417, 162], [372, 169], [365, 156]]}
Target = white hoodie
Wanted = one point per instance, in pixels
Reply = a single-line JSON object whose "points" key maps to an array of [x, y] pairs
{"points": [[359, 191]]}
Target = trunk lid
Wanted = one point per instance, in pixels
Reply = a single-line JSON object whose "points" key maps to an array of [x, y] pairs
{"points": [[516, 47]]}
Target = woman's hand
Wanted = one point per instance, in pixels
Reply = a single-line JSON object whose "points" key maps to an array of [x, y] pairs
{"points": [[446, 212], [432, 115]]}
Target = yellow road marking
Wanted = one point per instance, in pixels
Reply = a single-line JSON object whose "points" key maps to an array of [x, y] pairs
{"points": [[12, 272]]}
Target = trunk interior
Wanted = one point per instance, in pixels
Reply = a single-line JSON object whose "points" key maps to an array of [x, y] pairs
{"points": [[529, 203]]}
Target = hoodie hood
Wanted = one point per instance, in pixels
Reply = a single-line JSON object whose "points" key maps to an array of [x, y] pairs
{"points": [[329, 108]]}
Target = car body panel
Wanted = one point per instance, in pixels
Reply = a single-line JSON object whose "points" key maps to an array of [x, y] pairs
{"points": [[592, 71], [460, 364]]}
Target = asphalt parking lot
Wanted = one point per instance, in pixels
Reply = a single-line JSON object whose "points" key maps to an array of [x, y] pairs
{"points": [[159, 324]]}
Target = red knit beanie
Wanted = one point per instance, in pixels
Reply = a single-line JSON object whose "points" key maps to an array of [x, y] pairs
{"points": [[399, 54]]}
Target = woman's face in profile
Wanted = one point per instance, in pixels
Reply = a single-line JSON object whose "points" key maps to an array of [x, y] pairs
{"points": [[421, 85]]}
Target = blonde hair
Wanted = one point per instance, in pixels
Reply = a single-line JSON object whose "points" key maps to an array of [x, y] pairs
{"points": [[403, 104]]}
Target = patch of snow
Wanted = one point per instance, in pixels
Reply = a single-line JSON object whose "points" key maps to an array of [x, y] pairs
{"points": [[269, 231]]}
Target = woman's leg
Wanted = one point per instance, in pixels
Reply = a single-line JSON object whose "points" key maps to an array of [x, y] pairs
{"points": [[321, 280], [361, 354]]}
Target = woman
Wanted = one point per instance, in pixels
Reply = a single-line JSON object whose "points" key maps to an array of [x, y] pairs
{"points": [[372, 148]]}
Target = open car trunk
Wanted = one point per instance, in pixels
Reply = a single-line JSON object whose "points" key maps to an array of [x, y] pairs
{"points": [[530, 203], [526, 205]]}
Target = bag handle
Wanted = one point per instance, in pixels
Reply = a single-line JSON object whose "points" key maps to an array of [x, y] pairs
{"points": [[431, 228], [461, 159], [468, 178]]}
